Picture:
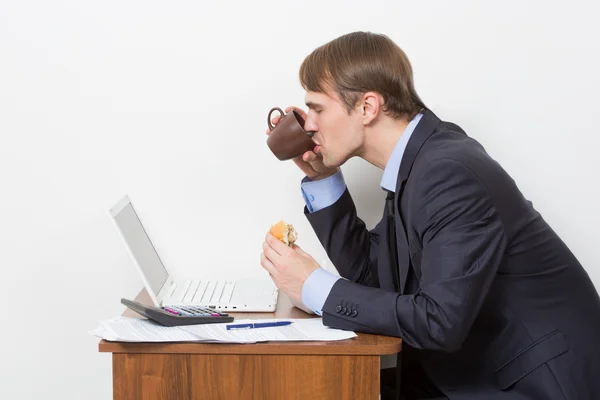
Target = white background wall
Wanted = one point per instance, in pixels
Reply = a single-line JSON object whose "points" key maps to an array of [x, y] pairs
{"points": [[167, 101]]}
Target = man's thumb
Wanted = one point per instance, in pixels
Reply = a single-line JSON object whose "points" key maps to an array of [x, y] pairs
{"points": [[299, 250]]}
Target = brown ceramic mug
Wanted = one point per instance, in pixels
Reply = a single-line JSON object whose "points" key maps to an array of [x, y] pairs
{"points": [[288, 139]]}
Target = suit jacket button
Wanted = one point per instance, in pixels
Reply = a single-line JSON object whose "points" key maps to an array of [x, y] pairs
{"points": [[348, 311], [338, 309], [343, 310], [354, 313]]}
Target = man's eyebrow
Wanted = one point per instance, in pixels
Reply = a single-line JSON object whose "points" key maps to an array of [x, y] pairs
{"points": [[313, 105]]}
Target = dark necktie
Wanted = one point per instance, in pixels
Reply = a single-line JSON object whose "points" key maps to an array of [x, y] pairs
{"points": [[391, 230], [393, 254]]}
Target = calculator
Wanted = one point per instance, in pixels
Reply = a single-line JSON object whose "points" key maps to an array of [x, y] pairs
{"points": [[178, 315]]}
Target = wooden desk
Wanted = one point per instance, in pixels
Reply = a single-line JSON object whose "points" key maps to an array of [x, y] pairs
{"points": [[347, 369]]}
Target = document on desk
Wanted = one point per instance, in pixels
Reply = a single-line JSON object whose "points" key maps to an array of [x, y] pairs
{"points": [[301, 329], [124, 329]]}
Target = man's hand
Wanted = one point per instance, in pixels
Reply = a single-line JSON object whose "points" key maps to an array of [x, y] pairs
{"points": [[288, 266]]}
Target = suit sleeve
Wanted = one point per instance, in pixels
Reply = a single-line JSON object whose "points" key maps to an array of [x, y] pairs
{"points": [[463, 244], [351, 247]]}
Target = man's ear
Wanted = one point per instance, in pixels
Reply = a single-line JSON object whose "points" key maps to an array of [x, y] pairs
{"points": [[371, 105]]}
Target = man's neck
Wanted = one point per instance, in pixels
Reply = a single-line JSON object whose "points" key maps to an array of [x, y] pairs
{"points": [[380, 140]]}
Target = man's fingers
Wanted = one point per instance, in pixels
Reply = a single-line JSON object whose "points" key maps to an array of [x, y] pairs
{"points": [[306, 168], [277, 246], [309, 156], [299, 250], [268, 265], [298, 110], [274, 122], [270, 253], [313, 158]]}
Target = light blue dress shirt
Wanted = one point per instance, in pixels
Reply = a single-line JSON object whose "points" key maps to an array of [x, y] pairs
{"points": [[323, 193]]}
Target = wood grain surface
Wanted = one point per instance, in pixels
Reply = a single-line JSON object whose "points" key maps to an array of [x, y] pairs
{"points": [[230, 377]]}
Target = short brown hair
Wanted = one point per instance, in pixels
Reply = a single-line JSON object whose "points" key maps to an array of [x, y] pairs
{"points": [[359, 62]]}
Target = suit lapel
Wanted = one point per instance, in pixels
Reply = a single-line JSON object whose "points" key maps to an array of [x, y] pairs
{"points": [[422, 132]]}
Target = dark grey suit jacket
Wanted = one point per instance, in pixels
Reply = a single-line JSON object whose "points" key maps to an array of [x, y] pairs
{"points": [[492, 303]]}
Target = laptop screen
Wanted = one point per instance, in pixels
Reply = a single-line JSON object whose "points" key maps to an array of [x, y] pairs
{"points": [[141, 247]]}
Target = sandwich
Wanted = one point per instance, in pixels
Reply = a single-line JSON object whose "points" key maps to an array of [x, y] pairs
{"points": [[284, 232]]}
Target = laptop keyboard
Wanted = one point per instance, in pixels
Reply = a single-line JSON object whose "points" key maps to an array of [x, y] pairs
{"points": [[196, 291]]}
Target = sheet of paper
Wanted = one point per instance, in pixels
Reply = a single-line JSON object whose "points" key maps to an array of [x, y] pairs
{"points": [[307, 329], [124, 329]]}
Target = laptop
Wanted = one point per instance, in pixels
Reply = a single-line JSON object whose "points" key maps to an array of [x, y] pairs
{"points": [[166, 290]]}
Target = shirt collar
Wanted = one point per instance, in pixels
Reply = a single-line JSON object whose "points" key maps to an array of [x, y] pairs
{"points": [[390, 173]]}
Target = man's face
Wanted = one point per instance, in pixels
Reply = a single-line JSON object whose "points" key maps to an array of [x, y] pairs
{"points": [[338, 135]]}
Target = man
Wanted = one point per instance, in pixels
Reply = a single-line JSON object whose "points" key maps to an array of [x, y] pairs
{"points": [[489, 302]]}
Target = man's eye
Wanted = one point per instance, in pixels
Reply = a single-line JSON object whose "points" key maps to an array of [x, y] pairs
{"points": [[318, 111]]}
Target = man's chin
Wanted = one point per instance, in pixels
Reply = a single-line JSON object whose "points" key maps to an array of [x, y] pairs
{"points": [[333, 163], [329, 163]]}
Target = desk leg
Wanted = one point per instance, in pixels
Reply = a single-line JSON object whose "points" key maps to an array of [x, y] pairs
{"points": [[230, 377]]}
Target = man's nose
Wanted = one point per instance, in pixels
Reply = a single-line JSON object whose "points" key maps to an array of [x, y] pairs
{"points": [[310, 126]]}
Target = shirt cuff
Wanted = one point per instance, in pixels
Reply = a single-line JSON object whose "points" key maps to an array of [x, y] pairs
{"points": [[316, 288], [323, 193]]}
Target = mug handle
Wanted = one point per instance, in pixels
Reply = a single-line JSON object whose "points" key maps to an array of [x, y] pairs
{"points": [[271, 126]]}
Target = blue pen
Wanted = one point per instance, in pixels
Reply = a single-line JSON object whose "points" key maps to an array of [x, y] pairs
{"points": [[258, 325]]}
